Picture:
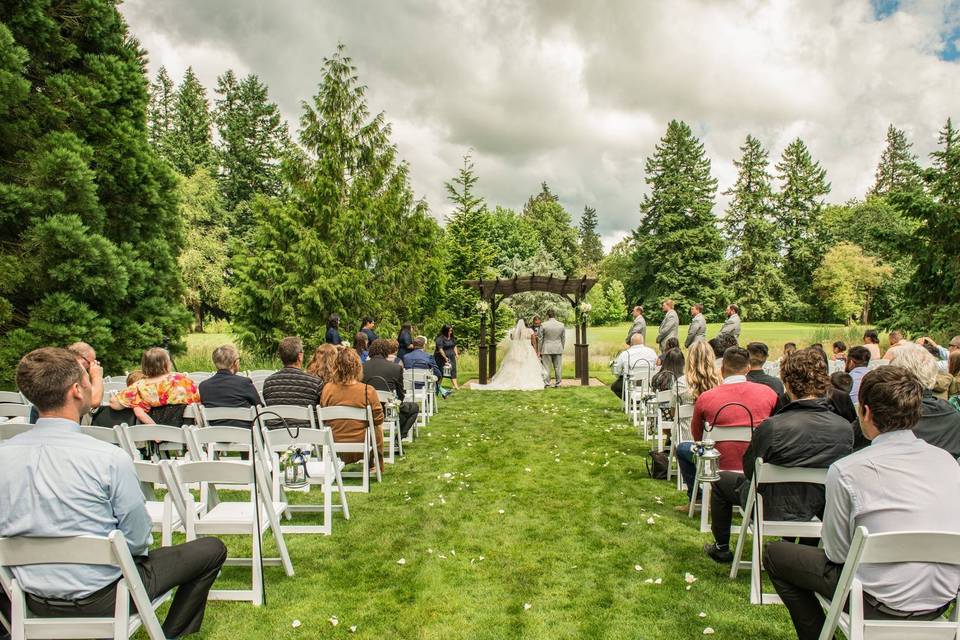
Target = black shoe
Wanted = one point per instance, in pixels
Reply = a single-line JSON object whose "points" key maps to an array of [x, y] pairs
{"points": [[721, 556]]}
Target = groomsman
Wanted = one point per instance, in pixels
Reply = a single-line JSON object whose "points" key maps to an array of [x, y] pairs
{"points": [[670, 326], [639, 324], [732, 324], [698, 326]]}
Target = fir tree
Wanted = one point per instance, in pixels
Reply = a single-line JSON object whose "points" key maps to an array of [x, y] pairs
{"points": [[756, 281], [591, 249], [160, 112], [191, 144], [88, 215], [554, 226], [678, 251], [798, 212], [898, 169], [253, 141], [350, 238]]}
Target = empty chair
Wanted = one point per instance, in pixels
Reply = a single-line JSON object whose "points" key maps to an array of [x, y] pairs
{"points": [[12, 397], [112, 551], [15, 410], [164, 516], [11, 429]]}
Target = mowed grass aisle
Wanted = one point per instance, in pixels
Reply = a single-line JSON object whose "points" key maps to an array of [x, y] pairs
{"points": [[507, 500]]}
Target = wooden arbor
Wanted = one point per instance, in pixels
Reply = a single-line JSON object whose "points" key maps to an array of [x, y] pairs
{"points": [[493, 292]]}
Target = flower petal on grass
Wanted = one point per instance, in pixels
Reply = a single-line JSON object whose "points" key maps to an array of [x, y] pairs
{"points": [[526, 606], [402, 561], [295, 624]]}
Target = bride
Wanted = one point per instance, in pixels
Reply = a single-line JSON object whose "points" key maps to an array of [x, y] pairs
{"points": [[521, 369]]}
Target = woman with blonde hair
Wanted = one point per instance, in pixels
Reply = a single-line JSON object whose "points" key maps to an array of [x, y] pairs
{"points": [[344, 387], [700, 371], [322, 361]]}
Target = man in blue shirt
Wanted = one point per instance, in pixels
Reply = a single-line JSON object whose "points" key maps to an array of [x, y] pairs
{"points": [[858, 360], [59, 482], [420, 359]]}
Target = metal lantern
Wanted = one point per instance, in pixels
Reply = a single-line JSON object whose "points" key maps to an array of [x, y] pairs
{"points": [[709, 457], [294, 463], [392, 411], [447, 369]]}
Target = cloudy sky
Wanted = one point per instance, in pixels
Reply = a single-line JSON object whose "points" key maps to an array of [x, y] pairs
{"points": [[577, 93]]}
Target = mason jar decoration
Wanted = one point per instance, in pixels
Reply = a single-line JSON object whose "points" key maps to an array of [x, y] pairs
{"points": [[293, 465], [709, 456]]}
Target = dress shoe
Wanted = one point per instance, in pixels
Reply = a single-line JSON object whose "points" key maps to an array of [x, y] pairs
{"points": [[721, 556]]}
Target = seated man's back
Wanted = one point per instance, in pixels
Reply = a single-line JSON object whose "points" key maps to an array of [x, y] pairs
{"points": [[939, 424], [292, 385]]}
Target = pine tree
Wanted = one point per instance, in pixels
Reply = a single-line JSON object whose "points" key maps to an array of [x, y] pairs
{"points": [[253, 141], [555, 228], [88, 215], [191, 142], [898, 169], [799, 208], [350, 238], [678, 251], [591, 249], [756, 280], [160, 112]]}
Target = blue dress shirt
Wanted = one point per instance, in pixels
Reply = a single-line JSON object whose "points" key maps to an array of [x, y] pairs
{"points": [[58, 482]]}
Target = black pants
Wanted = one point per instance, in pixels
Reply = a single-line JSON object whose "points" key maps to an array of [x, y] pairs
{"points": [[726, 493], [408, 417], [799, 571], [192, 567], [617, 387]]}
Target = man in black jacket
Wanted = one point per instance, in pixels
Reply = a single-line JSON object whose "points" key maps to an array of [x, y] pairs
{"points": [[383, 375], [758, 357], [804, 433], [227, 389]]}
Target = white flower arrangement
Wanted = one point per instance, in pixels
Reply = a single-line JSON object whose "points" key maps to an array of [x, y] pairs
{"points": [[483, 306], [586, 307]]}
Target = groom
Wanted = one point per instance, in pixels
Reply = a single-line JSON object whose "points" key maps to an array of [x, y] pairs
{"points": [[551, 348]]}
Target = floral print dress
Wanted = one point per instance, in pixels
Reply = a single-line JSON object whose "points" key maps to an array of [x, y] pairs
{"points": [[174, 388]]}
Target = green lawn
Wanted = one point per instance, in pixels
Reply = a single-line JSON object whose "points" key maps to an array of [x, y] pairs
{"points": [[568, 473]]}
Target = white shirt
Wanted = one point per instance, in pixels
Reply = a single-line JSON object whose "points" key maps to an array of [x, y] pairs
{"points": [[898, 483], [58, 482], [631, 358]]}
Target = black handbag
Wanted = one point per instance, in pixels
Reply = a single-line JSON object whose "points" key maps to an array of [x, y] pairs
{"points": [[657, 465]]}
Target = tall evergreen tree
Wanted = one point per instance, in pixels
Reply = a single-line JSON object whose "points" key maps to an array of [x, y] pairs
{"points": [[350, 238], [678, 251], [191, 142], [253, 141], [799, 207], [898, 169], [88, 219], [555, 228], [591, 249], [756, 281], [160, 112]]}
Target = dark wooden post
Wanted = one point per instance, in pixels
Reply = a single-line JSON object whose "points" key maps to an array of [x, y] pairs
{"points": [[482, 348], [585, 355], [493, 337]]}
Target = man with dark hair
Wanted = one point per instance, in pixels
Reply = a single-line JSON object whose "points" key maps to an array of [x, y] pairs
{"points": [[420, 359], [367, 328], [720, 343], [758, 357], [59, 482], [291, 384], [858, 364], [759, 400], [732, 324], [639, 324], [899, 483], [383, 375], [669, 326], [227, 389], [698, 326], [804, 433], [871, 341]]}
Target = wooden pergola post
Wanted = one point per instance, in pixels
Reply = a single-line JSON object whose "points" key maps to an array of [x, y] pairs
{"points": [[482, 347], [492, 354]]}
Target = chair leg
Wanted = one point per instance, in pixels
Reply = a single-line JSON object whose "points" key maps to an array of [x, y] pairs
{"points": [[707, 489], [256, 571], [693, 496], [744, 531], [327, 505]]}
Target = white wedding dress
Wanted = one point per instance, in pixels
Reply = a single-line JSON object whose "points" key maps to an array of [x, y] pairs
{"points": [[521, 369]]}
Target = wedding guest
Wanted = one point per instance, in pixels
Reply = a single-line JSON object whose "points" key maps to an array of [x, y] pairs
{"points": [[788, 348], [700, 372], [346, 389], [720, 343], [871, 341], [405, 339], [360, 345], [333, 330], [161, 392], [953, 367], [60, 482], [393, 352], [107, 416], [420, 359], [897, 345], [886, 488], [639, 360], [758, 358], [321, 362], [669, 345], [839, 351], [841, 381], [858, 364], [447, 343], [383, 375], [671, 372], [88, 360], [367, 329], [227, 389], [291, 384]]}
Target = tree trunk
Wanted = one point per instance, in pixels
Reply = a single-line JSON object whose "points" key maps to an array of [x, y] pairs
{"points": [[198, 320], [865, 316]]}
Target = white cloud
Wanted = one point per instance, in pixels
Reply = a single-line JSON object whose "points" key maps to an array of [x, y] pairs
{"points": [[577, 94]]}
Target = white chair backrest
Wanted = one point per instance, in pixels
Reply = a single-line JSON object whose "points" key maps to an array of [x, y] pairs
{"points": [[642, 368], [879, 362], [14, 410], [417, 375], [345, 413], [260, 373], [767, 473], [386, 396], [113, 387], [193, 414], [667, 397], [289, 412], [211, 414], [103, 434], [280, 439], [131, 436], [729, 434], [10, 429], [12, 397]]}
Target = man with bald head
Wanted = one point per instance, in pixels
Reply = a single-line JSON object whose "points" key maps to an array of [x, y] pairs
{"points": [[631, 360], [87, 357]]}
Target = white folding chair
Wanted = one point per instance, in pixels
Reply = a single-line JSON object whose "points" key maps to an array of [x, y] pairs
{"points": [[416, 385], [756, 524], [12, 397], [11, 429], [391, 427], [103, 434], [110, 551], [889, 548], [234, 518], [665, 402], [164, 516], [681, 433], [199, 376], [879, 362], [209, 415], [323, 469], [213, 442], [718, 434], [133, 437], [14, 410], [260, 373], [368, 448]]}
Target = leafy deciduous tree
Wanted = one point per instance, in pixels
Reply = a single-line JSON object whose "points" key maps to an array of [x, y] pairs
{"points": [[846, 279]]}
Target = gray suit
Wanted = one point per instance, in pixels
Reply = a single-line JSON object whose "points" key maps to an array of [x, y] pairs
{"points": [[669, 328], [551, 348], [639, 326], [731, 325], [697, 330]]}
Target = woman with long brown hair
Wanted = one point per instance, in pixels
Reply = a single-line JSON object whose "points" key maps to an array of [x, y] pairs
{"points": [[322, 361], [700, 371], [344, 387]]}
